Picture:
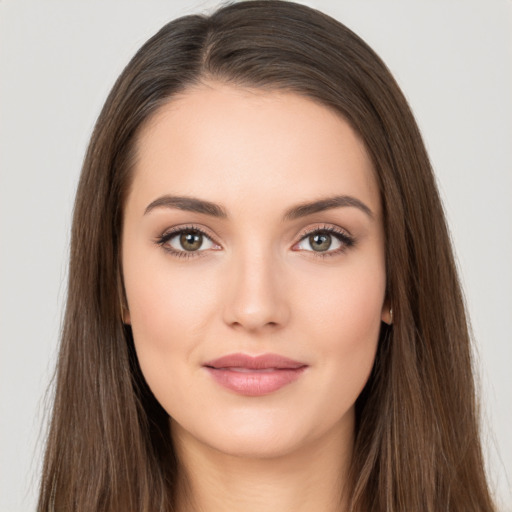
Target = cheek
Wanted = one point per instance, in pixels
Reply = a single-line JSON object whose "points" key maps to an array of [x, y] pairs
{"points": [[346, 304], [168, 310], [344, 319], [167, 318], [168, 314]]}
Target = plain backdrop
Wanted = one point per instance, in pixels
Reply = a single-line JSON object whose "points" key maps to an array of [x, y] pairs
{"points": [[59, 59]]}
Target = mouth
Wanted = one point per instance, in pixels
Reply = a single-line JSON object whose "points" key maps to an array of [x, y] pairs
{"points": [[254, 375]]}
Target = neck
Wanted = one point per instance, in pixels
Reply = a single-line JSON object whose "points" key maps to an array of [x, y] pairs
{"points": [[310, 479]]}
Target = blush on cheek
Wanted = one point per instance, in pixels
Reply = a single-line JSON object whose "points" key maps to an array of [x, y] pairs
{"points": [[351, 307], [350, 335]]}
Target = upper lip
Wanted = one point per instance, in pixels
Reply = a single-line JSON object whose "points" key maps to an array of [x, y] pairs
{"points": [[260, 362]]}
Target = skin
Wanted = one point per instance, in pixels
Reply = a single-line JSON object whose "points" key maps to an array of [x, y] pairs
{"points": [[256, 285]]}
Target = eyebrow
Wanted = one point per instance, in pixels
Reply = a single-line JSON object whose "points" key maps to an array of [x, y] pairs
{"points": [[192, 204]]}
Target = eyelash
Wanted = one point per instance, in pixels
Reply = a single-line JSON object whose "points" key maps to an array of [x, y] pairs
{"points": [[346, 240]]}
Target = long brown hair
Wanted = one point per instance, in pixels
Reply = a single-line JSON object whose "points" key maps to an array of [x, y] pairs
{"points": [[417, 442]]}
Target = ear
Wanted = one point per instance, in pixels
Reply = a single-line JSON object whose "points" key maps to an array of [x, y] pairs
{"points": [[387, 312], [125, 312], [126, 316]]}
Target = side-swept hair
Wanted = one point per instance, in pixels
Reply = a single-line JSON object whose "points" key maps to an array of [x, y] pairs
{"points": [[417, 445]]}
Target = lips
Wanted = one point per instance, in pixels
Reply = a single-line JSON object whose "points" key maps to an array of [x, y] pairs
{"points": [[254, 375]]}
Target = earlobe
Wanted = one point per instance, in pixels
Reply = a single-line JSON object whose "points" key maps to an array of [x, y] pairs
{"points": [[126, 316], [123, 308], [125, 312], [387, 313]]}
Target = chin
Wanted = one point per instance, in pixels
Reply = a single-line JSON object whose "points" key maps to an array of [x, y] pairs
{"points": [[263, 436], [255, 439], [261, 445]]}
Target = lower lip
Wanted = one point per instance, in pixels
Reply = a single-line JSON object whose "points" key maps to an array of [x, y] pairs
{"points": [[255, 382]]}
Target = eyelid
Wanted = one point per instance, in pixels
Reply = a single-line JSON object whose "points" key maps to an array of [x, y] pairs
{"points": [[341, 234], [188, 227], [170, 233], [344, 237], [330, 228]]}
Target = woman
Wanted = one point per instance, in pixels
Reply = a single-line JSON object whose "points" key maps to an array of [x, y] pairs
{"points": [[264, 310]]}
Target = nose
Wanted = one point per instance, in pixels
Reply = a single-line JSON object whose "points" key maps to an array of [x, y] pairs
{"points": [[256, 294]]}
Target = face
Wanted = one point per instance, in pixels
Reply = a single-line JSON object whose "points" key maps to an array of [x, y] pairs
{"points": [[253, 263]]}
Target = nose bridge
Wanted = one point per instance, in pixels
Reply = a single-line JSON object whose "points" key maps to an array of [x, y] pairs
{"points": [[256, 296]]}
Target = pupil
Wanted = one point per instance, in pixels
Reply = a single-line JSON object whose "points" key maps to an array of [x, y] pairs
{"points": [[191, 241], [320, 242]]}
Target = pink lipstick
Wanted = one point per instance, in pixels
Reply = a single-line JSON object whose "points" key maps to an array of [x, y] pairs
{"points": [[254, 375]]}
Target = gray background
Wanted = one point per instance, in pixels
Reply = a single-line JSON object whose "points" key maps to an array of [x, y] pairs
{"points": [[59, 59]]}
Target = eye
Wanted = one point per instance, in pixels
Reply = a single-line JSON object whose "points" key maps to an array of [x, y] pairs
{"points": [[186, 241], [325, 241]]}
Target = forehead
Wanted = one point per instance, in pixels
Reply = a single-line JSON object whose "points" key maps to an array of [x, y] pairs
{"points": [[237, 145]]}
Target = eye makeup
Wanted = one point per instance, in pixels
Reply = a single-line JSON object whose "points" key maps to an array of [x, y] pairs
{"points": [[320, 237], [181, 233], [320, 234]]}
